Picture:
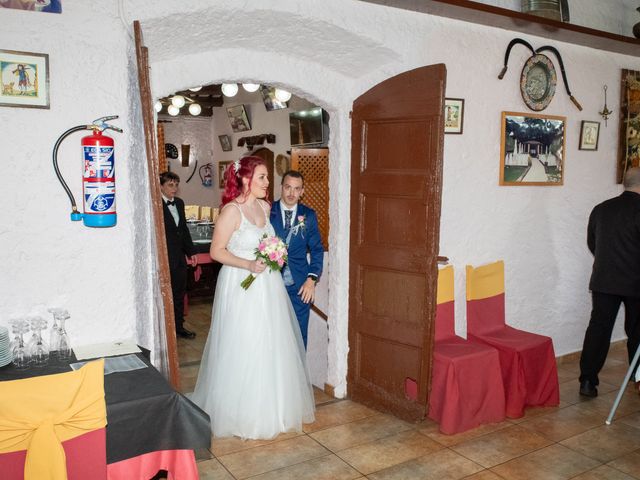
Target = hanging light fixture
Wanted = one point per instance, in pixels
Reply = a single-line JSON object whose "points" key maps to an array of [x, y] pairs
{"points": [[178, 101], [195, 109], [196, 89], [229, 89], [251, 87], [173, 110], [157, 106], [283, 95]]}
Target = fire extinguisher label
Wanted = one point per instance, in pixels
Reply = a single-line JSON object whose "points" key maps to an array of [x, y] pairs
{"points": [[100, 197], [98, 162]]}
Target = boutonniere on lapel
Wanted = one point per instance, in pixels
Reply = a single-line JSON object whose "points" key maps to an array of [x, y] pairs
{"points": [[299, 226]]}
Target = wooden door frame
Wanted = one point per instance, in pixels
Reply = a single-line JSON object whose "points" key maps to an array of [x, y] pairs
{"points": [[151, 147]]}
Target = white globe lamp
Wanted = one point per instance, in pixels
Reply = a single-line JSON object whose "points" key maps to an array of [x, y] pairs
{"points": [[229, 89], [195, 109]]}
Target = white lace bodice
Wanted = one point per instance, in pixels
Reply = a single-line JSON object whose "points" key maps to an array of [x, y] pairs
{"points": [[245, 239]]}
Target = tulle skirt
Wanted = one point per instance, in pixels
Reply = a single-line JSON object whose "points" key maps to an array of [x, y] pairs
{"points": [[253, 380]]}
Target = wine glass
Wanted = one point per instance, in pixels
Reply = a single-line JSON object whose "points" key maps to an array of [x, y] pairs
{"points": [[54, 334], [64, 347], [20, 352], [39, 350]]}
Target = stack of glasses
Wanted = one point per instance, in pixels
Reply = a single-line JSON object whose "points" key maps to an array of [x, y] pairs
{"points": [[5, 349]]}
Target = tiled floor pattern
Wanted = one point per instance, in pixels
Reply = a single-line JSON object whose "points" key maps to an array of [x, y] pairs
{"points": [[349, 441]]}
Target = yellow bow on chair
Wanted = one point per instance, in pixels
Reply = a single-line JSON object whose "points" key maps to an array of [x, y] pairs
{"points": [[37, 414]]}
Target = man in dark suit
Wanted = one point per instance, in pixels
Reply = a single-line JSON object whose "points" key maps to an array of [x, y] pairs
{"points": [[179, 246], [297, 225], [613, 237]]}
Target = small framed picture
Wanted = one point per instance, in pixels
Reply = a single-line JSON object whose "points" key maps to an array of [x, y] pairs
{"points": [[238, 118], [225, 142], [24, 78], [222, 167], [589, 134], [453, 115]]}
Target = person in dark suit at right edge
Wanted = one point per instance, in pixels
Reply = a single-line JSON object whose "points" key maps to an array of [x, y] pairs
{"points": [[613, 236], [179, 247]]}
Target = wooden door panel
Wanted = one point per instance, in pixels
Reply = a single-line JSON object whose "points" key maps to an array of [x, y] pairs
{"points": [[396, 178], [387, 146]]}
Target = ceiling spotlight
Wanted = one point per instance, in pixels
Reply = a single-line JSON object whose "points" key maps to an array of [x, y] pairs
{"points": [[195, 109], [178, 101], [157, 106], [196, 89], [173, 110], [251, 87], [282, 95], [229, 89]]}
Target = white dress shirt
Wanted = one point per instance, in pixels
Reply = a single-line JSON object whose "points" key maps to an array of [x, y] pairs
{"points": [[173, 209]]}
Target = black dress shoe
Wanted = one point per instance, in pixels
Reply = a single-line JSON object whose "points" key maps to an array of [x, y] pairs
{"points": [[184, 333], [588, 389]]}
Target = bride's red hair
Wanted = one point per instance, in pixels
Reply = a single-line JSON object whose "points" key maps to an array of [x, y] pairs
{"points": [[233, 178]]}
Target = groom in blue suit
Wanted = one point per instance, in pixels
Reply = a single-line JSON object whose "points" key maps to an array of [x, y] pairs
{"points": [[297, 225]]}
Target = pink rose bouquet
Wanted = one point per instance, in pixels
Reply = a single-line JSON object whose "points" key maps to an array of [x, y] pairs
{"points": [[273, 251]]}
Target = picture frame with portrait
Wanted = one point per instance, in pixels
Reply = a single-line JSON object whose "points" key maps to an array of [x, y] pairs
{"points": [[225, 143], [453, 115], [589, 135], [222, 167], [24, 79], [238, 118]]}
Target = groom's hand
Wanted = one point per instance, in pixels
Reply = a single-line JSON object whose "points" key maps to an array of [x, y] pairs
{"points": [[308, 291]]}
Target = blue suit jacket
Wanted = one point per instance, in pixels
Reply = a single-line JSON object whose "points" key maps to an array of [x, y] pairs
{"points": [[305, 239]]}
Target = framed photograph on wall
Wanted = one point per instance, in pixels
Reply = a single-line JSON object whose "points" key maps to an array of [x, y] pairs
{"points": [[629, 131], [271, 103], [225, 142], [589, 134], [453, 115], [222, 167], [532, 149], [24, 78], [238, 118]]}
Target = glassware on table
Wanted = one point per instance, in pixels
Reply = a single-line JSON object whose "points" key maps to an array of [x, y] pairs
{"points": [[39, 350], [59, 344], [20, 353]]}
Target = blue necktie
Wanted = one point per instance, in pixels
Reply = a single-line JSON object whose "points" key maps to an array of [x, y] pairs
{"points": [[287, 222]]}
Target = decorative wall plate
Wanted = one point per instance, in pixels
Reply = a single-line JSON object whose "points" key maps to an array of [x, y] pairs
{"points": [[538, 82], [170, 150]]}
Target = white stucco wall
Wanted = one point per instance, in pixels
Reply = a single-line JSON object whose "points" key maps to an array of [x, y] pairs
{"points": [[328, 52], [102, 276]]}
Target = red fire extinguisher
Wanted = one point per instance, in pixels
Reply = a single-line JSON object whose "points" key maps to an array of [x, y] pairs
{"points": [[98, 177]]}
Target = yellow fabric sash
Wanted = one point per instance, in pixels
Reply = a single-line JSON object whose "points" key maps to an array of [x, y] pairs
{"points": [[485, 281], [37, 414], [445, 285]]}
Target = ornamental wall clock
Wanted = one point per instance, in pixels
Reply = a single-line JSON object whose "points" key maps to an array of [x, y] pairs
{"points": [[538, 79], [170, 150]]}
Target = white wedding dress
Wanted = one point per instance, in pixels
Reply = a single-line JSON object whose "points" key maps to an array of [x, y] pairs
{"points": [[253, 379]]}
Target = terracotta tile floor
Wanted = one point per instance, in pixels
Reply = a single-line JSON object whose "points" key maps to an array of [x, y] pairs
{"points": [[350, 441]]}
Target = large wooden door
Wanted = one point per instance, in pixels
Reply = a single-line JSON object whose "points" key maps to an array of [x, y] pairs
{"points": [[396, 180]]}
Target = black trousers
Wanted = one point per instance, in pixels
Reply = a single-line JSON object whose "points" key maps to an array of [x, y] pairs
{"points": [[178, 287], [598, 336]]}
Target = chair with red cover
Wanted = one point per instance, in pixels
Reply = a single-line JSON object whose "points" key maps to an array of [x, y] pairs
{"points": [[53, 426], [466, 388], [527, 360]]}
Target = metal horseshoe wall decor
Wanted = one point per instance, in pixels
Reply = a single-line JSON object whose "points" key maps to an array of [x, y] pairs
{"points": [[538, 78]]}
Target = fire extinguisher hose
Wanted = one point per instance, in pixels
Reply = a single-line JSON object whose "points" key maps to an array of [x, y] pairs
{"points": [[74, 208]]}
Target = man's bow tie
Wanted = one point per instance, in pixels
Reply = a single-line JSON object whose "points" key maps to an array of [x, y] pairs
{"points": [[171, 202]]}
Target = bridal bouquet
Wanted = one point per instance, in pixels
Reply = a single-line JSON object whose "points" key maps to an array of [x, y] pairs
{"points": [[273, 252]]}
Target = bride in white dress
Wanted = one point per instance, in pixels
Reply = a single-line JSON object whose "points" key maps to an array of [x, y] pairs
{"points": [[253, 379]]}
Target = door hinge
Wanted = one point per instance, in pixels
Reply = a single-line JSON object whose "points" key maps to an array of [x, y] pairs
{"points": [[350, 114]]}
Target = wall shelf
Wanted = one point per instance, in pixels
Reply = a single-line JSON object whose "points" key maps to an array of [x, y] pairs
{"points": [[480, 13]]}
